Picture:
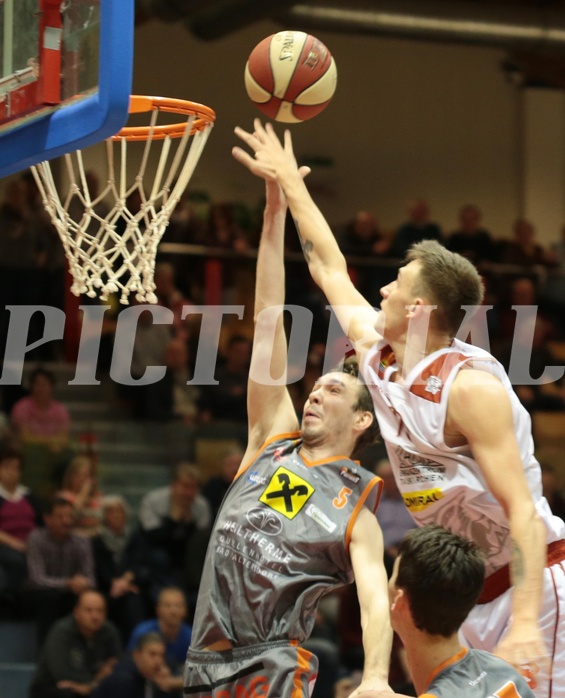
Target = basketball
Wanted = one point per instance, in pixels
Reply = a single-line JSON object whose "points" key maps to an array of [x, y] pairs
{"points": [[290, 76]]}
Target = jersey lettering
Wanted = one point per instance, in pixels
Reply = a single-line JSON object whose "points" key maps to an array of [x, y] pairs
{"points": [[341, 500], [286, 493], [417, 501]]}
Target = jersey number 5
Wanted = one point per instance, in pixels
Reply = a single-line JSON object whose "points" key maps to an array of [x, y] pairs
{"points": [[341, 500]]}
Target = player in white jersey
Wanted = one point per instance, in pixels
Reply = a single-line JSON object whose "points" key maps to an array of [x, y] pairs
{"points": [[297, 521], [450, 421]]}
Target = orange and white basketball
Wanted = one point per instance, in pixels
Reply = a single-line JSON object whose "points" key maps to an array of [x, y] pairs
{"points": [[290, 76]]}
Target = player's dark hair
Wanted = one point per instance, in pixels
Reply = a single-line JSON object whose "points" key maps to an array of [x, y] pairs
{"points": [[364, 403], [447, 280], [442, 575]]}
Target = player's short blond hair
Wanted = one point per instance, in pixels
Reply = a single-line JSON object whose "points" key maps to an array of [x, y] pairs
{"points": [[447, 280]]}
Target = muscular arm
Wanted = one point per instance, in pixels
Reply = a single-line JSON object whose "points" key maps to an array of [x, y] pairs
{"points": [[325, 260], [270, 409], [366, 550], [490, 434]]}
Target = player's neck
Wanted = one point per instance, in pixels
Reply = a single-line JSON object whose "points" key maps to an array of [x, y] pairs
{"points": [[409, 353], [425, 653], [318, 452]]}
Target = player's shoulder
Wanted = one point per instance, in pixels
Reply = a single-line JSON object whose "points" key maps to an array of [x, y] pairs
{"points": [[476, 376]]}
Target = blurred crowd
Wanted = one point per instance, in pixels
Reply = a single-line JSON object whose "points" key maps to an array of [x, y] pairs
{"points": [[117, 586]]}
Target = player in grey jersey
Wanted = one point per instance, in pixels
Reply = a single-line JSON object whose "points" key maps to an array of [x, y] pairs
{"points": [[297, 522], [437, 579]]}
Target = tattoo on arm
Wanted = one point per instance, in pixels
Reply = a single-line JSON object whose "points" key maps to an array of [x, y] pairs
{"points": [[517, 564], [307, 247]]}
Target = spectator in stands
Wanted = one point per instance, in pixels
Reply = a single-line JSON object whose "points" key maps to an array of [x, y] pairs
{"points": [[80, 488], [551, 490], [39, 417], [169, 296], [170, 624], [223, 230], [523, 250], [519, 291], [364, 239], [21, 252], [179, 400], [149, 348], [120, 564], [392, 514], [20, 514], [472, 240], [553, 290], [80, 651], [228, 399], [525, 357], [418, 227], [216, 487], [60, 565], [42, 426], [144, 674], [175, 521]]}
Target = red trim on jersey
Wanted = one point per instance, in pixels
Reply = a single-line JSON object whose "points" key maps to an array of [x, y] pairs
{"points": [[440, 369], [448, 662], [498, 582]]}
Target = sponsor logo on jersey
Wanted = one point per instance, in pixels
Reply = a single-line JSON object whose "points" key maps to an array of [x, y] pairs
{"points": [[286, 493], [433, 385], [348, 474], [319, 517], [277, 453], [265, 520], [418, 501], [256, 479]]}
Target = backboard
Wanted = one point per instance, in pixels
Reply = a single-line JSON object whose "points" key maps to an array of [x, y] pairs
{"points": [[65, 79]]}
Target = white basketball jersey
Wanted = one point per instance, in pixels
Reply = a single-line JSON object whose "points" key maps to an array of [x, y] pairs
{"points": [[438, 483]]}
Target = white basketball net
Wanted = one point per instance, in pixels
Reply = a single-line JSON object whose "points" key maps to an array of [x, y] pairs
{"points": [[101, 260]]}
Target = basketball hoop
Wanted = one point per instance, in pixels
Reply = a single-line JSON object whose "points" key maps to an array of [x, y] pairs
{"points": [[101, 259]]}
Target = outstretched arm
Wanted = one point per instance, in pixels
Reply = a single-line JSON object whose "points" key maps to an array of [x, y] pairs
{"points": [[270, 409], [367, 552], [325, 261]]}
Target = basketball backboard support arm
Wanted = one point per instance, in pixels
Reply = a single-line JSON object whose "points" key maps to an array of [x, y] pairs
{"points": [[78, 123]]}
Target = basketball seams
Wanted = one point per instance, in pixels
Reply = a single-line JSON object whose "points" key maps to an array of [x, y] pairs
{"points": [[283, 58], [290, 76], [302, 79], [317, 92], [259, 66]]}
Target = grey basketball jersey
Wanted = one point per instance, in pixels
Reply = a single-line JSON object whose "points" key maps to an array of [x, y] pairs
{"points": [[279, 543], [477, 674]]}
